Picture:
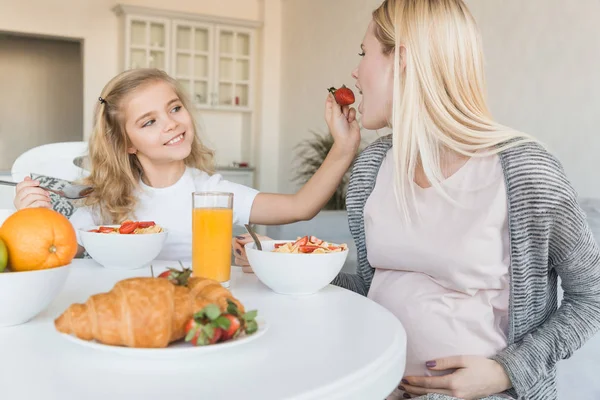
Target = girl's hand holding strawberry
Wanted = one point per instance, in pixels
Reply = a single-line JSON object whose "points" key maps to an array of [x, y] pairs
{"points": [[341, 120]]}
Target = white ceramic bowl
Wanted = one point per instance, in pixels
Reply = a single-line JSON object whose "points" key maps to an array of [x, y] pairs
{"points": [[294, 274], [23, 295], [116, 251]]}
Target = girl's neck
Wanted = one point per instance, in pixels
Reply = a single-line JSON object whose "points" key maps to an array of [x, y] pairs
{"points": [[162, 175]]}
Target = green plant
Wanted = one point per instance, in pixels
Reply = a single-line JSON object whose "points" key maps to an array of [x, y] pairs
{"points": [[310, 155]]}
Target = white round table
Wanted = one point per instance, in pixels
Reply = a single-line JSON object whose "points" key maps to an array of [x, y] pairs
{"points": [[332, 345]]}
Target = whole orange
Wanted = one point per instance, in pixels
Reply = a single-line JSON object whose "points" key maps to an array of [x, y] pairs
{"points": [[38, 238]]}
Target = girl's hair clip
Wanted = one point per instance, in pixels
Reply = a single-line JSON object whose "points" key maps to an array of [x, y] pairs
{"points": [[101, 100]]}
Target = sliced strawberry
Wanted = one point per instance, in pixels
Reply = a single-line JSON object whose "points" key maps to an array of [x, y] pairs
{"points": [[307, 249], [94, 230], [278, 245], [302, 241], [106, 229], [315, 240], [333, 247], [146, 224], [128, 227]]}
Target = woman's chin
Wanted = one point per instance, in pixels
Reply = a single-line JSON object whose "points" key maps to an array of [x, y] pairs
{"points": [[372, 124]]}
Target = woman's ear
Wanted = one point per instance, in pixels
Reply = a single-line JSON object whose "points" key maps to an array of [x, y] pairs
{"points": [[131, 150], [402, 51]]}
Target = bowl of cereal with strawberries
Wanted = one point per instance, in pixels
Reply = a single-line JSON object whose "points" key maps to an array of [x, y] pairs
{"points": [[296, 267], [130, 245]]}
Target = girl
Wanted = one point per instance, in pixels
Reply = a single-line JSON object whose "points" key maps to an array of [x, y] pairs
{"points": [[462, 225], [146, 160]]}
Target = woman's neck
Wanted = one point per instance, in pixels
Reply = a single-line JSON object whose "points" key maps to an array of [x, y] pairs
{"points": [[450, 162], [162, 175]]}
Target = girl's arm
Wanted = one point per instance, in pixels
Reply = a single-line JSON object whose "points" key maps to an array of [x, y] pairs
{"points": [[273, 209]]}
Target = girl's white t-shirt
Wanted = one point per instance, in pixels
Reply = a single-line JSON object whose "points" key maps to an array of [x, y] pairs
{"points": [[171, 208]]}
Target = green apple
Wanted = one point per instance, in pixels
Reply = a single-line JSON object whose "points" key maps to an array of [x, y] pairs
{"points": [[3, 256]]}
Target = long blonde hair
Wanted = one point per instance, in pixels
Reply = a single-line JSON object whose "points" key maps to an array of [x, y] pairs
{"points": [[439, 99], [114, 173]]}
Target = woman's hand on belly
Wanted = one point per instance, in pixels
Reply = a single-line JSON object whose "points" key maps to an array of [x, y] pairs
{"points": [[474, 377]]}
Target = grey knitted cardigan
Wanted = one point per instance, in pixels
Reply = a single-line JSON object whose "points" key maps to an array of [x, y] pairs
{"points": [[549, 237]]}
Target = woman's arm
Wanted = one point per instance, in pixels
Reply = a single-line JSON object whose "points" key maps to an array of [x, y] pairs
{"points": [[578, 317], [272, 209]]}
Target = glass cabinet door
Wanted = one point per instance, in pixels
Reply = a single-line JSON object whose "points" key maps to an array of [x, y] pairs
{"points": [[234, 67], [147, 40], [192, 60]]}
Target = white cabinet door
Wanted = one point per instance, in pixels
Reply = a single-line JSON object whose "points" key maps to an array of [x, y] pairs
{"points": [[193, 60], [234, 67], [147, 42]]}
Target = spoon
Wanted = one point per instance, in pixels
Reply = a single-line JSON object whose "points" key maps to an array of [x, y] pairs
{"points": [[69, 190], [256, 241]]}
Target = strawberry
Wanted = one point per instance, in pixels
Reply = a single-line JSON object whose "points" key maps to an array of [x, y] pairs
{"points": [[307, 249], [302, 241], [176, 276], [343, 96], [146, 224], [202, 334], [247, 320], [128, 227], [315, 240], [234, 327]]}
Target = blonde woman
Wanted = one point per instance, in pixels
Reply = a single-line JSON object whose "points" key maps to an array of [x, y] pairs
{"points": [[462, 225], [146, 160]]}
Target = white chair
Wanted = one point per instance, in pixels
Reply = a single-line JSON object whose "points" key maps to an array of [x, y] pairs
{"points": [[54, 159]]}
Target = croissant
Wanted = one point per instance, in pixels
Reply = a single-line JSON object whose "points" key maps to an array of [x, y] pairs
{"points": [[214, 292], [141, 312]]}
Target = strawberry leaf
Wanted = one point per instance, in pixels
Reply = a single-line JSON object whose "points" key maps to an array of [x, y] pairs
{"points": [[232, 308], [251, 327], [223, 322], [250, 315], [191, 333], [202, 340], [208, 330], [212, 311]]}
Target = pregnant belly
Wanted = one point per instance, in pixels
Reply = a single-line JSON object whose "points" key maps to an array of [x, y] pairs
{"points": [[440, 322]]}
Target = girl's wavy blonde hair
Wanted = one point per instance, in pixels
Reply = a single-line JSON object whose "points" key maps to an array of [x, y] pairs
{"points": [[439, 96], [114, 173]]}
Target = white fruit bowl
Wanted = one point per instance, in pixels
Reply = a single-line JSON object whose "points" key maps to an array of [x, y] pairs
{"points": [[293, 274], [117, 251], [24, 295]]}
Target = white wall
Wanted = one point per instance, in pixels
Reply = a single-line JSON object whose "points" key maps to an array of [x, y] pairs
{"points": [[543, 58], [94, 22], [313, 60], [543, 63]]}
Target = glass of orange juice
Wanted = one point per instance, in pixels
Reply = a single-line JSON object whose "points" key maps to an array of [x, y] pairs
{"points": [[212, 222]]}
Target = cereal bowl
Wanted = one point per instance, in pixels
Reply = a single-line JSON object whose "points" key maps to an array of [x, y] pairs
{"points": [[26, 294], [122, 251], [294, 273]]}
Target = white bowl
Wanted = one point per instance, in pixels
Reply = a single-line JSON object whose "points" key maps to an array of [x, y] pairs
{"points": [[117, 251], [294, 274], [23, 295]]}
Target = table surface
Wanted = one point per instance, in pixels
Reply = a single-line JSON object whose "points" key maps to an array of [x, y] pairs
{"points": [[331, 345]]}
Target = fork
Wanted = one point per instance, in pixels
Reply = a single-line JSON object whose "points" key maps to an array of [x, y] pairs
{"points": [[69, 191]]}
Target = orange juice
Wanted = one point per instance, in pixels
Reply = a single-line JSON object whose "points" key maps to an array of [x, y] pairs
{"points": [[211, 243]]}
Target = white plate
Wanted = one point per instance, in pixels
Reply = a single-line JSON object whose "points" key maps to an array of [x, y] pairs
{"points": [[174, 350]]}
